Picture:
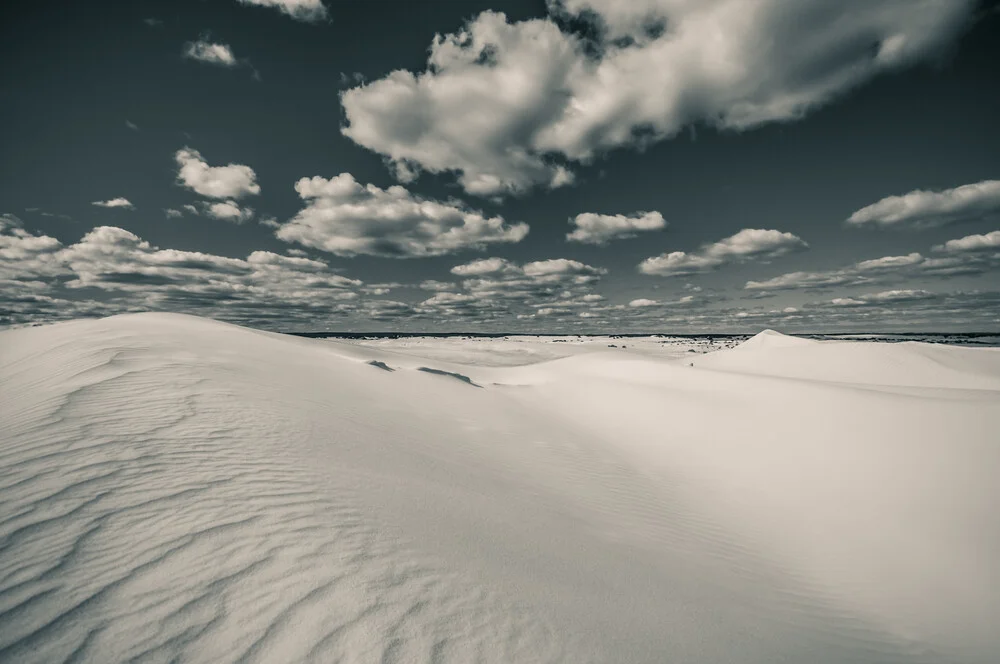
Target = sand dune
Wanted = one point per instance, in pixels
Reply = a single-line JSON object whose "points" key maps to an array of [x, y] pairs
{"points": [[177, 489]]}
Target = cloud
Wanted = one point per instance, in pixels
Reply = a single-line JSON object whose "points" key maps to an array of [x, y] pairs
{"points": [[498, 291], [300, 10], [504, 284], [435, 285], [210, 53], [486, 266], [885, 297], [173, 213], [131, 125], [972, 243], [26, 257], [600, 228], [228, 211], [643, 302], [553, 270], [152, 22], [233, 181], [968, 256], [507, 106], [749, 244], [265, 288], [115, 203], [347, 218], [927, 209]]}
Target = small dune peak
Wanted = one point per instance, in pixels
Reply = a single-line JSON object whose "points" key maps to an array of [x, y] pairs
{"points": [[773, 339]]}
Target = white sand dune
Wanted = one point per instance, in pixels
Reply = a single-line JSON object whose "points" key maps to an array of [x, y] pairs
{"points": [[174, 489]]}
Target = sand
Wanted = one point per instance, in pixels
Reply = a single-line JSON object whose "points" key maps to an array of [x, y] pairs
{"points": [[178, 489]]}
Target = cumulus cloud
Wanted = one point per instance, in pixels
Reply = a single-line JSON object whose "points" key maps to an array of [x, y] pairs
{"points": [[264, 288], [115, 203], [643, 302], [228, 211], [435, 285], [968, 256], [927, 209], [300, 10], [600, 228], [885, 297], [173, 213], [507, 106], [547, 272], [233, 181], [972, 243], [210, 53], [749, 244], [346, 218], [26, 257], [500, 290]]}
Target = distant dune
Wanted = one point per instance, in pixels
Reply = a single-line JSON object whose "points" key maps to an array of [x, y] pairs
{"points": [[174, 489]]}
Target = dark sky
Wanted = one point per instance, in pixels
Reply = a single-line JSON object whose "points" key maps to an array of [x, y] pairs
{"points": [[817, 167]]}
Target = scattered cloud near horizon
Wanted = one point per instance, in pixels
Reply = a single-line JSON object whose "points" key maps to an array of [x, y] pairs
{"points": [[43, 277], [972, 243], [968, 256], [750, 244], [928, 209]]}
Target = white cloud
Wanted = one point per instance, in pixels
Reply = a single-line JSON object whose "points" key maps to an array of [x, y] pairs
{"points": [[347, 218], [924, 209], [173, 213], [509, 106], [228, 211], [600, 228], [449, 299], [486, 266], [210, 53], [25, 257], [972, 243], [435, 285], [977, 254], [135, 275], [233, 181], [643, 302], [748, 244], [131, 125], [884, 298], [499, 289], [300, 10], [115, 203], [559, 267]]}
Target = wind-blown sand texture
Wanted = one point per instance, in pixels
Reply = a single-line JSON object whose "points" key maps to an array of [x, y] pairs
{"points": [[177, 489]]}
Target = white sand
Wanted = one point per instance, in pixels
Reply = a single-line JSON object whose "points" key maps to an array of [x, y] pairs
{"points": [[175, 489]]}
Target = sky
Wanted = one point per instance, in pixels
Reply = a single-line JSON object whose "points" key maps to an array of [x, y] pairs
{"points": [[570, 166]]}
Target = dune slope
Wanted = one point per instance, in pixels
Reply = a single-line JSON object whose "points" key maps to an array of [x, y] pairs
{"points": [[177, 489]]}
